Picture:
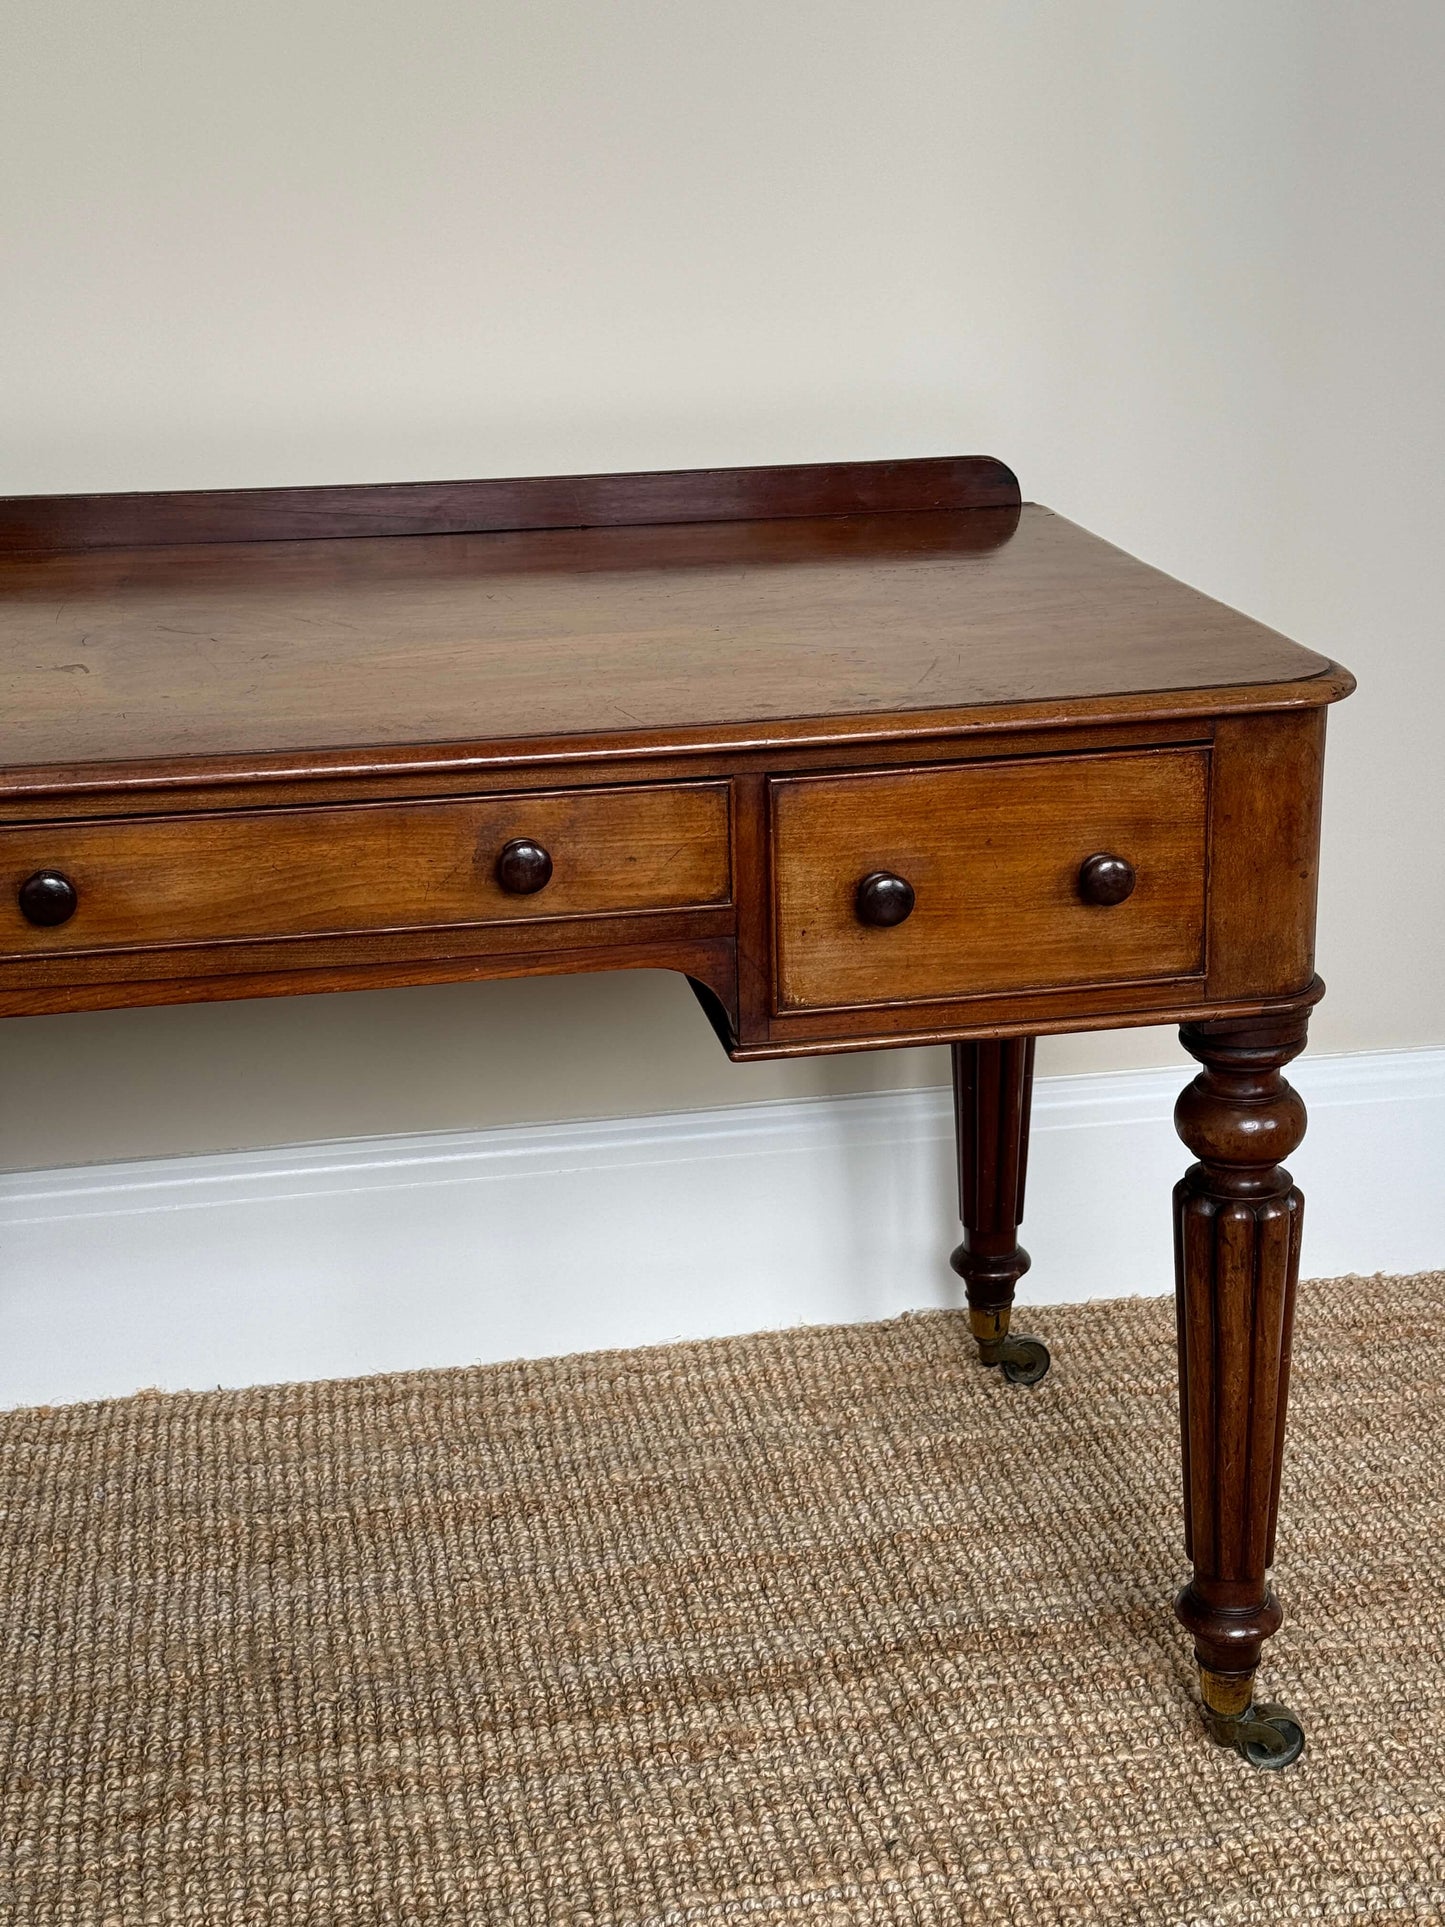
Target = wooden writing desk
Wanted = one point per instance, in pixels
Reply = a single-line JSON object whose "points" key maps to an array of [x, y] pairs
{"points": [[872, 754]]}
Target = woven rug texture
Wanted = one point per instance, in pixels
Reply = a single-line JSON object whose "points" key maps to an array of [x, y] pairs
{"points": [[816, 1626]]}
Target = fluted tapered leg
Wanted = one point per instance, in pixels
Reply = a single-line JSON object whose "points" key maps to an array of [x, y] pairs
{"points": [[1237, 1245], [992, 1094]]}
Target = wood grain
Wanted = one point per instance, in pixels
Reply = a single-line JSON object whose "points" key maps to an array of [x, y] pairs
{"points": [[218, 662], [1238, 1219], [1012, 1014], [993, 1085], [1264, 852], [56, 522], [993, 853], [84, 796], [230, 877], [352, 952], [706, 961]]}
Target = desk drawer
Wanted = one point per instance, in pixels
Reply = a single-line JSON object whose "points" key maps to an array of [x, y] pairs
{"points": [[993, 855], [143, 882]]}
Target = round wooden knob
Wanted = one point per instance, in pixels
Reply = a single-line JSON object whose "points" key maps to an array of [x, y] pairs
{"points": [[524, 867], [883, 899], [48, 898], [1106, 879]]}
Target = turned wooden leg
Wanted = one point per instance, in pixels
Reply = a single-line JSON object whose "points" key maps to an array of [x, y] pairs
{"points": [[993, 1086], [1237, 1239]]}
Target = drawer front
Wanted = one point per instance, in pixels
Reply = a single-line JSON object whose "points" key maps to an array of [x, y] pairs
{"points": [[994, 856], [156, 881]]}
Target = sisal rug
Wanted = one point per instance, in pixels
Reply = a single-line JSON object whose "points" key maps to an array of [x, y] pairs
{"points": [[819, 1626]]}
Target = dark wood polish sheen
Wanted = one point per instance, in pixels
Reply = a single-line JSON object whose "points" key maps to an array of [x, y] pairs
{"points": [[883, 900], [993, 1082], [524, 867], [1238, 1220], [1106, 880], [31, 523], [47, 899], [872, 753]]}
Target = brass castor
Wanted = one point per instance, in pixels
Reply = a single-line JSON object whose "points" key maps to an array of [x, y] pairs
{"points": [[1021, 1359], [1268, 1735]]}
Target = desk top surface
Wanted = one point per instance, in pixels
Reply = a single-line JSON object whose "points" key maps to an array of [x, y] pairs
{"points": [[259, 655]]}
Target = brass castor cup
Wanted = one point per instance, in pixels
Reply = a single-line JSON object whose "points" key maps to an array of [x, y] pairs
{"points": [[1269, 1736], [1021, 1359]]}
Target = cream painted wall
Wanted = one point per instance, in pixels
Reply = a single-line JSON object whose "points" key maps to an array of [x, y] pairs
{"points": [[1180, 264]]}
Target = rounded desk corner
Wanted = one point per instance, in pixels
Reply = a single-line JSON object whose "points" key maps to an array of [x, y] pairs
{"points": [[1342, 682]]}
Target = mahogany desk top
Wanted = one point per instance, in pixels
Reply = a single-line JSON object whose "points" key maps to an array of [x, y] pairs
{"points": [[661, 637]]}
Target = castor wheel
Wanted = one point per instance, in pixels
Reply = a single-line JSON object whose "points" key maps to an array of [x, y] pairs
{"points": [[1269, 1736], [1022, 1360], [1025, 1360]]}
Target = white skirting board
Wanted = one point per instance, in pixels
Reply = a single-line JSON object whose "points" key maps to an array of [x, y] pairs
{"points": [[387, 1253]]}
